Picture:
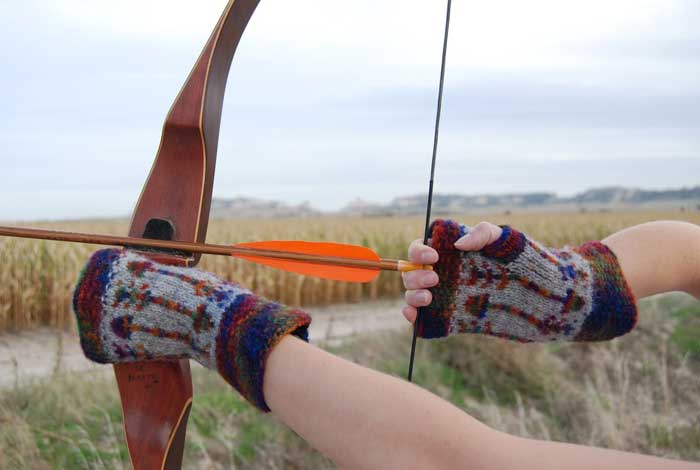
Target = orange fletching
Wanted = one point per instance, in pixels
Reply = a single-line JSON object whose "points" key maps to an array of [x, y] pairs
{"points": [[309, 268]]}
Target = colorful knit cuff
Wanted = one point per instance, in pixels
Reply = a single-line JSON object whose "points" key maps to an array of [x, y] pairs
{"points": [[614, 306], [249, 327], [249, 331], [435, 318], [508, 247], [87, 301], [443, 234]]}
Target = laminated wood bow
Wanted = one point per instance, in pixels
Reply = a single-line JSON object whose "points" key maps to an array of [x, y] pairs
{"points": [[174, 205], [170, 223], [171, 219]]}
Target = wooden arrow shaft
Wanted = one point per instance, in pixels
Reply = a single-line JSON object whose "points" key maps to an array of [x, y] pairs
{"points": [[190, 247]]}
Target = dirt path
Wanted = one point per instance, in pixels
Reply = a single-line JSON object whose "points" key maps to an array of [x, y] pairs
{"points": [[39, 353]]}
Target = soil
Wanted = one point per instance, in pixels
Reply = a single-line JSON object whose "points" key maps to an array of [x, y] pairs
{"points": [[39, 353]]}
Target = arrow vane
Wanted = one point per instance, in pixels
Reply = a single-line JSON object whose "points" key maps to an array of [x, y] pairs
{"points": [[336, 261]]}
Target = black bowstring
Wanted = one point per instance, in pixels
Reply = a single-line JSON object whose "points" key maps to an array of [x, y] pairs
{"points": [[432, 177]]}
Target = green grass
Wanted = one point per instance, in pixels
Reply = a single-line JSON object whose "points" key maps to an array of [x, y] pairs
{"points": [[638, 393], [65, 422], [686, 334], [75, 422]]}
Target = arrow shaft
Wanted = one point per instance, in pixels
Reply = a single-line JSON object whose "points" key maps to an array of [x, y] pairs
{"points": [[227, 250]]}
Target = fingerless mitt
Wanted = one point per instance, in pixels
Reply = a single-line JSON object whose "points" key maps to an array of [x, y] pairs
{"points": [[130, 308], [517, 289]]}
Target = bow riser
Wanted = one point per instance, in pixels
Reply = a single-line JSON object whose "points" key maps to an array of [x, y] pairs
{"points": [[174, 205], [190, 137]]}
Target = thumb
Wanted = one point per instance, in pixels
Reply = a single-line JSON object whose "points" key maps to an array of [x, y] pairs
{"points": [[480, 236]]}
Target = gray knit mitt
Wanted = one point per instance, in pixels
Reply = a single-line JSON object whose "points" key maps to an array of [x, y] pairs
{"points": [[517, 289], [131, 308]]}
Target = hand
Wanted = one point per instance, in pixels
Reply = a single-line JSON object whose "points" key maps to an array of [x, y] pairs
{"points": [[499, 282], [418, 282]]}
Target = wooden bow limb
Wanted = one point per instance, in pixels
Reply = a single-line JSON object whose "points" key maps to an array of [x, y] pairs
{"points": [[174, 205]]}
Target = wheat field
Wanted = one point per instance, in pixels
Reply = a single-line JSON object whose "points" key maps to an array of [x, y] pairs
{"points": [[638, 393], [37, 277]]}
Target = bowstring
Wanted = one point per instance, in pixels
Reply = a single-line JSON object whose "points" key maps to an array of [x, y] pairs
{"points": [[432, 176]]}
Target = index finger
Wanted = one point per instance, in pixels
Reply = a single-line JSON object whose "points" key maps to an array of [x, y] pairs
{"points": [[422, 254]]}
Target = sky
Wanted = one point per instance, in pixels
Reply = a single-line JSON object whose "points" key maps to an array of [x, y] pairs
{"points": [[329, 101]]}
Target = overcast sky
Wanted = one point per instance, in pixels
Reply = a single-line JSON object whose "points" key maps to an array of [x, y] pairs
{"points": [[331, 100]]}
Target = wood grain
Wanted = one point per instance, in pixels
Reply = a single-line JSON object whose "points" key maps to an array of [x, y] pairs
{"points": [[156, 396]]}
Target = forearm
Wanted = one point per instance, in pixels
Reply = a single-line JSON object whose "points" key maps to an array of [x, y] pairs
{"points": [[543, 455], [659, 257], [364, 419]]}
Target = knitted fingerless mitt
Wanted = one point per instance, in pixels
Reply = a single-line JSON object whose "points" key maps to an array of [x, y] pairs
{"points": [[517, 289], [130, 308]]}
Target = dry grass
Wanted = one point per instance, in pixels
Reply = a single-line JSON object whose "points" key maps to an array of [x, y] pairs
{"points": [[37, 278], [638, 393]]}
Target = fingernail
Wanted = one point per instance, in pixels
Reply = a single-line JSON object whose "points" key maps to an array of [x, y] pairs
{"points": [[462, 241], [428, 257], [429, 279], [422, 297]]}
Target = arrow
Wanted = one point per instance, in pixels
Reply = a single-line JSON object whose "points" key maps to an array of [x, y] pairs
{"points": [[326, 260]]}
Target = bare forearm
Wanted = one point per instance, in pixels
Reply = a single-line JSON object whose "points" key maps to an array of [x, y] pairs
{"points": [[364, 419], [543, 455], [659, 257]]}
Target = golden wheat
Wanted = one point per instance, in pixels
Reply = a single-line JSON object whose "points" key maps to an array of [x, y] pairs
{"points": [[36, 277]]}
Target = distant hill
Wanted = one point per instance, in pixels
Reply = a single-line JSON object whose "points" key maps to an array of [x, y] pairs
{"points": [[450, 203], [610, 198], [616, 195], [598, 199], [245, 208]]}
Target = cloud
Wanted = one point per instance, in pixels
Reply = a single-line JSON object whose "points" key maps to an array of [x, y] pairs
{"points": [[331, 100]]}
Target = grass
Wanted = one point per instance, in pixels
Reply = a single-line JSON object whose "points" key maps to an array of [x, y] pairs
{"points": [[75, 422], [638, 393], [686, 335], [37, 277]]}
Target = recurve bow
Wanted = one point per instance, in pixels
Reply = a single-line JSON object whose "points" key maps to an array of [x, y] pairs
{"points": [[174, 205]]}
